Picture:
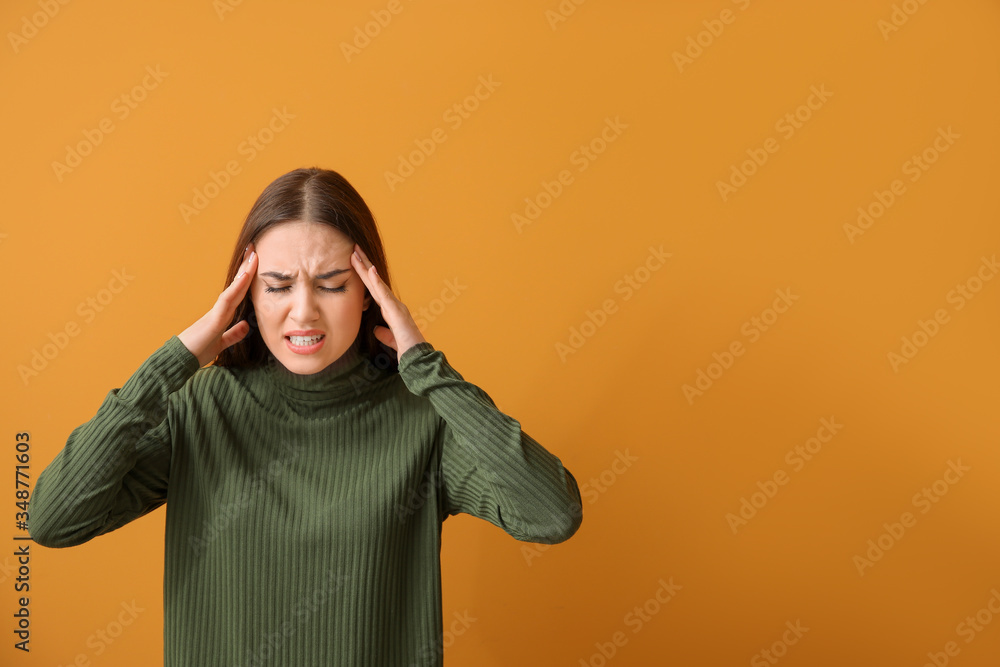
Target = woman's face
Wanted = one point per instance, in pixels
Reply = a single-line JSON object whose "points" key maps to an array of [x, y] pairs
{"points": [[305, 285]]}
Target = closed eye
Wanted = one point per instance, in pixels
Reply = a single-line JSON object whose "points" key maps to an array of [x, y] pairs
{"points": [[342, 288]]}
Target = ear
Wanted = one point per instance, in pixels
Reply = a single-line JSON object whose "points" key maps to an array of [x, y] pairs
{"points": [[367, 301]]}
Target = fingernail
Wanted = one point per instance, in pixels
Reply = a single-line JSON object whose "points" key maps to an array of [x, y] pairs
{"points": [[251, 256]]}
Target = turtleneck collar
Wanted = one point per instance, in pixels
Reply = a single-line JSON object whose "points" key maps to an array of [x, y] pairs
{"points": [[342, 379]]}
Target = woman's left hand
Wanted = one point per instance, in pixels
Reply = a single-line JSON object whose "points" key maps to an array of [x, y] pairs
{"points": [[402, 332]]}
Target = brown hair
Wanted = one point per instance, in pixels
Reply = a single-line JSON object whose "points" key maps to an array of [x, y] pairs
{"points": [[313, 195]]}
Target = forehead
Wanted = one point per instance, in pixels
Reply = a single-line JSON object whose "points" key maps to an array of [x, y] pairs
{"points": [[301, 241]]}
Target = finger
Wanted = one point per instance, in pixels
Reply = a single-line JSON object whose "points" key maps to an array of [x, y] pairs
{"points": [[365, 262], [364, 266], [235, 334], [243, 278], [368, 274], [361, 254], [235, 292], [359, 265], [371, 277]]}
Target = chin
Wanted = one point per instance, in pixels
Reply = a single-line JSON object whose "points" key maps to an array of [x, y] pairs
{"points": [[303, 366]]}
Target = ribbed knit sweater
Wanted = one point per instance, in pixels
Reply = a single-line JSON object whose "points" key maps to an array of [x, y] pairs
{"points": [[303, 512]]}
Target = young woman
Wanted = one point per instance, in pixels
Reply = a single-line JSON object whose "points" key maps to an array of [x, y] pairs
{"points": [[306, 473]]}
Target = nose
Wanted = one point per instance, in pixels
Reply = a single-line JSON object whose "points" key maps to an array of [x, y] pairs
{"points": [[304, 306]]}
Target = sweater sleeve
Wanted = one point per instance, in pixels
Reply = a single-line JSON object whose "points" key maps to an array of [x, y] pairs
{"points": [[114, 468], [491, 468]]}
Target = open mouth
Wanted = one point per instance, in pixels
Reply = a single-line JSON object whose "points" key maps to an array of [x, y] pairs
{"points": [[310, 344], [305, 341]]}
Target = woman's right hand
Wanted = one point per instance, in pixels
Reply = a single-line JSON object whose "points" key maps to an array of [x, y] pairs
{"points": [[206, 338]]}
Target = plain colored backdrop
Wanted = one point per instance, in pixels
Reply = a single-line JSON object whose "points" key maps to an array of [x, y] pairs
{"points": [[734, 262]]}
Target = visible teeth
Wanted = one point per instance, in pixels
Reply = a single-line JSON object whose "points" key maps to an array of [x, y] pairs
{"points": [[305, 340]]}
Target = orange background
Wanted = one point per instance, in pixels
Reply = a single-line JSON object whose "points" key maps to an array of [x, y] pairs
{"points": [[687, 126]]}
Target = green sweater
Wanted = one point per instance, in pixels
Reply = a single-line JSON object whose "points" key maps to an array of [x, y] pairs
{"points": [[304, 512]]}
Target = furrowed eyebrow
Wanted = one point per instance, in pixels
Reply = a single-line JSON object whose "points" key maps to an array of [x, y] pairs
{"points": [[284, 276]]}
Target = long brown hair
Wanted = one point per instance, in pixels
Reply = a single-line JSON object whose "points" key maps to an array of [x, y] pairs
{"points": [[313, 195]]}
